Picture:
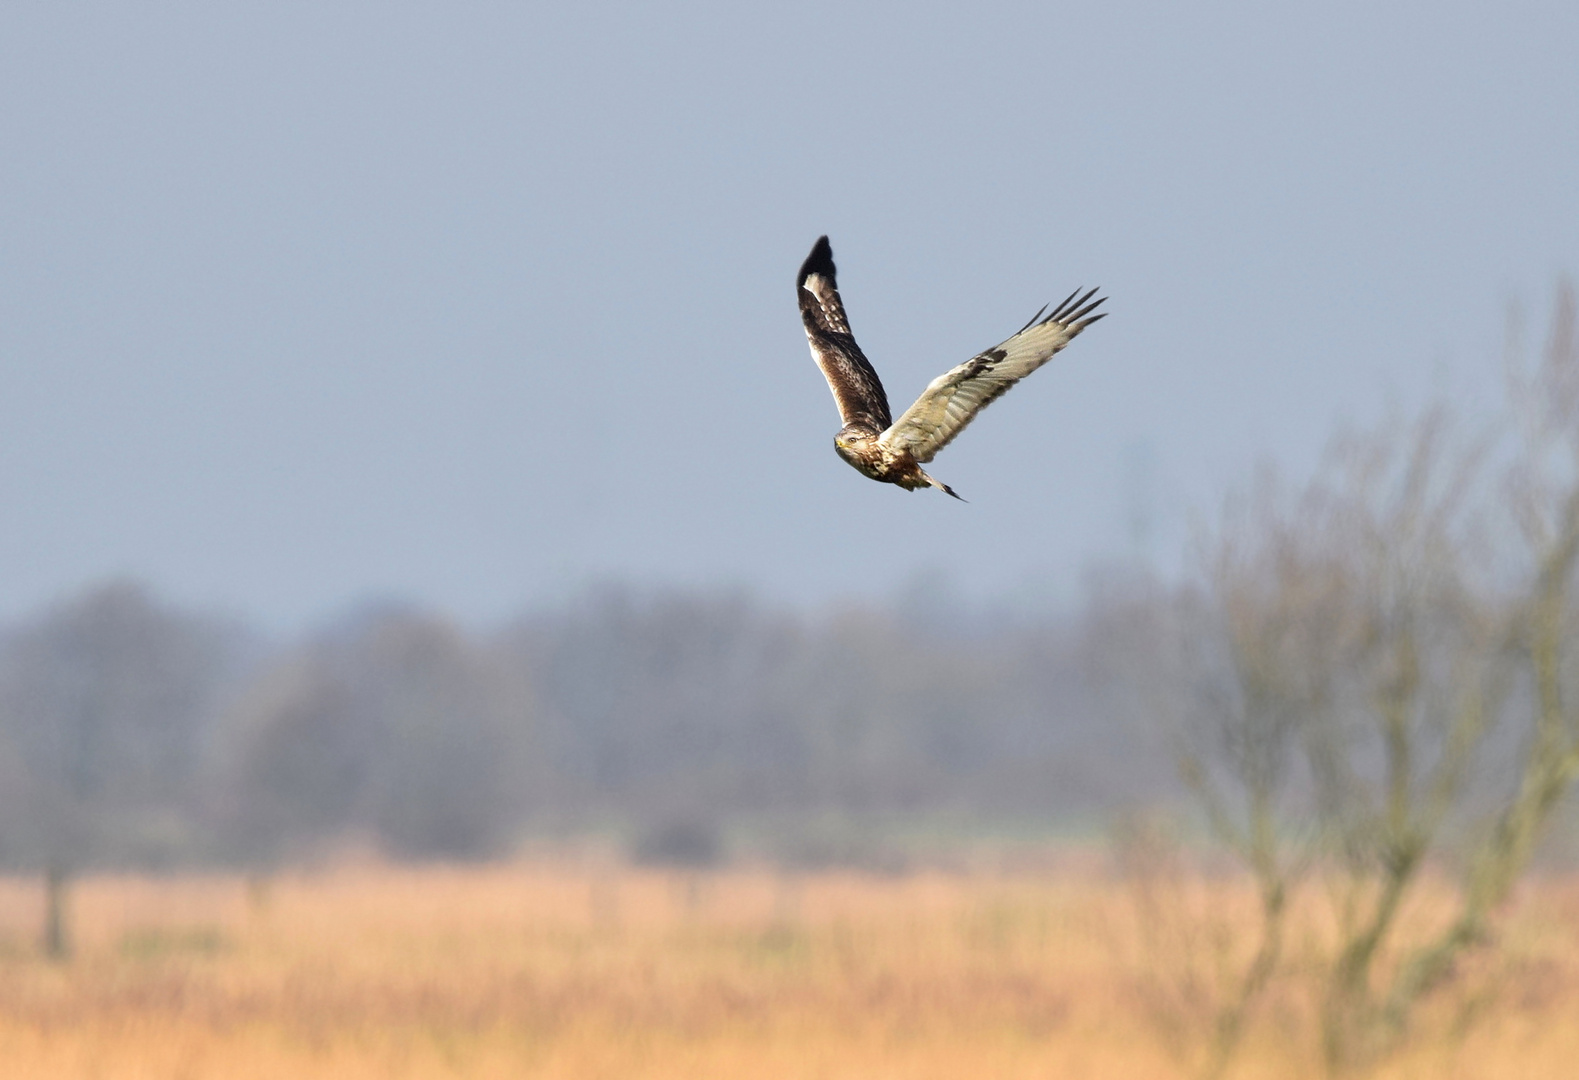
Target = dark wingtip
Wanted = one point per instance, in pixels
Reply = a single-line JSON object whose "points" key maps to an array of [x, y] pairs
{"points": [[1030, 321], [1072, 311], [950, 491], [1083, 317], [820, 261]]}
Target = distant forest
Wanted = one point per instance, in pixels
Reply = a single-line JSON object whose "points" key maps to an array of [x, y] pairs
{"points": [[689, 726], [1374, 666]]}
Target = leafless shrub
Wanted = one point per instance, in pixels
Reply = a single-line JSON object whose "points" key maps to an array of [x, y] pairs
{"points": [[1379, 681]]}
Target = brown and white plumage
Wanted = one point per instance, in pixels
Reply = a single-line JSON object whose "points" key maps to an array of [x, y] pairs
{"points": [[894, 451]]}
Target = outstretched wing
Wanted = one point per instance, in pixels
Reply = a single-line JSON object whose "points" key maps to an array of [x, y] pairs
{"points": [[953, 399], [855, 386]]}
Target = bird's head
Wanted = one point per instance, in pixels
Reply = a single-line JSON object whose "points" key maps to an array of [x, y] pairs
{"points": [[853, 444]]}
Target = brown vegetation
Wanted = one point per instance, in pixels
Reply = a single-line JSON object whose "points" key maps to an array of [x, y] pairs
{"points": [[573, 969]]}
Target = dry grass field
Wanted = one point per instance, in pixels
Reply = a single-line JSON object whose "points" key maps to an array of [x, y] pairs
{"points": [[566, 970]]}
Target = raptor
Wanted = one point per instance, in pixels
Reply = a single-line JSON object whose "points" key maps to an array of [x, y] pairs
{"points": [[893, 451]]}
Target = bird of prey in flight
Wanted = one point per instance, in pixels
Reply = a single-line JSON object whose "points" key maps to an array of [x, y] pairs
{"points": [[893, 451]]}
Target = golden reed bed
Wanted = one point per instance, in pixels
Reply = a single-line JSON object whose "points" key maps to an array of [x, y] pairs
{"points": [[575, 971]]}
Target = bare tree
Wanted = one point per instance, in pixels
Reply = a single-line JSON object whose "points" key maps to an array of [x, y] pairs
{"points": [[104, 702], [1543, 486], [1358, 658], [1268, 640]]}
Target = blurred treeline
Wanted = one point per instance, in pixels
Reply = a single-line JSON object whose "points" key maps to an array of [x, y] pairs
{"points": [[690, 726]]}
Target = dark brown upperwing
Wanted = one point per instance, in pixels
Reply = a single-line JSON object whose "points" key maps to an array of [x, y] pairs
{"points": [[828, 309], [856, 388]]}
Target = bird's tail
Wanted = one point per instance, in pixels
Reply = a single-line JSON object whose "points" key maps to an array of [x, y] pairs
{"points": [[940, 485]]}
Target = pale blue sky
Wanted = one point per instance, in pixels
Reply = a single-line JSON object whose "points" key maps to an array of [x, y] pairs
{"points": [[302, 304]]}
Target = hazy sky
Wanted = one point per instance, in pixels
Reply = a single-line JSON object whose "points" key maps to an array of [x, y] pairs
{"points": [[302, 304]]}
